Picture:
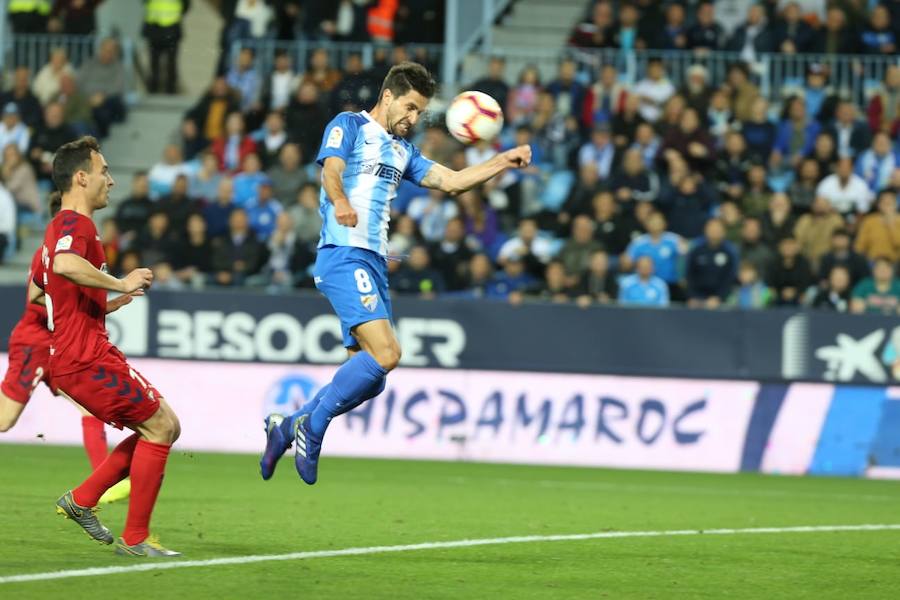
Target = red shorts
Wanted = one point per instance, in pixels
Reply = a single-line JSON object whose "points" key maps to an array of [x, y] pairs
{"points": [[112, 391], [28, 366]]}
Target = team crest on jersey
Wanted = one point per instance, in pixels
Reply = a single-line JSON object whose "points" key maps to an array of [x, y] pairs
{"points": [[64, 243], [369, 301], [335, 137], [398, 148]]}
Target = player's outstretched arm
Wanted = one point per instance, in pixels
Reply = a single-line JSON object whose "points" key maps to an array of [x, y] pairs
{"points": [[333, 182], [455, 182], [81, 272]]}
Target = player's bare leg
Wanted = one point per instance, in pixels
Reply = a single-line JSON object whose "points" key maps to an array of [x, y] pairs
{"points": [[9, 412]]}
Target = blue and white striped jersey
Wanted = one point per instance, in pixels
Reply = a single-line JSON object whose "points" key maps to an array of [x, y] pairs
{"points": [[376, 162]]}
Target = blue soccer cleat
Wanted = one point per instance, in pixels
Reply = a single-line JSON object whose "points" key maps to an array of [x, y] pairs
{"points": [[306, 450], [276, 444]]}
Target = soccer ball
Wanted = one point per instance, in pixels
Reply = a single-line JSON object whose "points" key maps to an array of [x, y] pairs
{"points": [[474, 116]]}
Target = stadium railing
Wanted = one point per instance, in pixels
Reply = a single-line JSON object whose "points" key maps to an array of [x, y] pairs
{"points": [[33, 51]]}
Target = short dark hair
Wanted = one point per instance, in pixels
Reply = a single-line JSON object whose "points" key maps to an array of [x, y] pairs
{"points": [[408, 76], [55, 202], [71, 158]]}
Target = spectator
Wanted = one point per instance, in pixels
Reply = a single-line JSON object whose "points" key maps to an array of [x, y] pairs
{"points": [[819, 98], [534, 250], [513, 278], [719, 116], [157, 242], [732, 219], [209, 114], [604, 99], [288, 176], [663, 247], [417, 277], [673, 35], [12, 129], [671, 116], [218, 214], [77, 106], [599, 151], [46, 82], [134, 212], [431, 211], [645, 140], [523, 98], [751, 292], [270, 139], [247, 182], [28, 105], [791, 275], [7, 221], [753, 250], [558, 136], [481, 221], [582, 194], [851, 135], [554, 285], [263, 211], [280, 83], [305, 213], [877, 164], [628, 34], [356, 90], [575, 254], [814, 230], [705, 35], [779, 221], [824, 153], [102, 80], [796, 134], [643, 288], [205, 181], [842, 255], [493, 83], [288, 256], [753, 37], [598, 284], [404, 236], [162, 28], [451, 255], [238, 254], [193, 261], [306, 119], [792, 34], [653, 91], [614, 227], [835, 295], [803, 188], [243, 77], [177, 205], [744, 97], [599, 31], [837, 36], [884, 108], [878, 294], [879, 37], [687, 206], [846, 191], [628, 124], [634, 182], [109, 238], [691, 141], [320, 73], [74, 17], [731, 167], [232, 148], [567, 92], [879, 233], [759, 132], [19, 180], [163, 174], [252, 18], [711, 268]]}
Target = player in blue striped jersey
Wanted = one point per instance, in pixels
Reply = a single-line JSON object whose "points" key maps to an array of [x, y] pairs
{"points": [[364, 156]]}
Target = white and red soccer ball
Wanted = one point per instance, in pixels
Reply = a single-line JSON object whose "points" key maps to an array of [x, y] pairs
{"points": [[474, 116]]}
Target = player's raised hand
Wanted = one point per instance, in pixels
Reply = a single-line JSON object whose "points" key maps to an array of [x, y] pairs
{"points": [[344, 213], [518, 157], [139, 279], [120, 301]]}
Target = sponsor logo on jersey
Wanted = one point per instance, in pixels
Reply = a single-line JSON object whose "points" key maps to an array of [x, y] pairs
{"points": [[369, 301], [335, 137], [398, 148], [64, 243], [388, 172]]}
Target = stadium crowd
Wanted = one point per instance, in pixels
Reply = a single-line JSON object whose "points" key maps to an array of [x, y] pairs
{"points": [[639, 194]]}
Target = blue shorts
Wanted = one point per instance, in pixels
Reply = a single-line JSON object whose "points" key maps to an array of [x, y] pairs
{"points": [[355, 281]]}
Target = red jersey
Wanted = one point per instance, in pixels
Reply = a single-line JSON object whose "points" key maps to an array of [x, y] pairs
{"points": [[76, 314], [31, 330]]}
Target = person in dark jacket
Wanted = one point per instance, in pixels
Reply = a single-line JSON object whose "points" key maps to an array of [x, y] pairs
{"points": [[238, 254], [711, 268], [842, 255], [792, 34], [306, 119], [791, 275], [134, 212], [834, 294]]}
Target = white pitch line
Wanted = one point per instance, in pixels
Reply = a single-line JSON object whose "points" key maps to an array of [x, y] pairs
{"points": [[243, 560]]}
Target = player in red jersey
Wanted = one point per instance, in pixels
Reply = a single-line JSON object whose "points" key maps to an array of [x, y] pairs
{"points": [[86, 367], [29, 357]]}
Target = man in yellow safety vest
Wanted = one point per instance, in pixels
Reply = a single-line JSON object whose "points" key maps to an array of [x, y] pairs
{"points": [[162, 28], [29, 16]]}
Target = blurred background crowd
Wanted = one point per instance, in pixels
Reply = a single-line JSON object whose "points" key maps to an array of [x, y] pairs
{"points": [[662, 188]]}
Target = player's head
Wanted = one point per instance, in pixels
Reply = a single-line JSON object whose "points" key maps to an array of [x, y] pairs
{"points": [[404, 95], [78, 167]]}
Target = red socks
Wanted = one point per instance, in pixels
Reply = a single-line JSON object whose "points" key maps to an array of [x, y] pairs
{"points": [[93, 433], [110, 472], [147, 468]]}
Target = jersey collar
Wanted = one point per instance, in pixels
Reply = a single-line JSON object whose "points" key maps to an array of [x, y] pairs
{"points": [[381, 129]]}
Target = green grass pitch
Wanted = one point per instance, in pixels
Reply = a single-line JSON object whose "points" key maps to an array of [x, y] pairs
{"points": [[216, 506]]}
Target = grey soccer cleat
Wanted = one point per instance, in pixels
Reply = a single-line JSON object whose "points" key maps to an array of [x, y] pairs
{"points": [[149, 548], [84, 516]]}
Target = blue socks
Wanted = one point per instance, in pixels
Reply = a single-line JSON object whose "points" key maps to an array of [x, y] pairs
{"points": [[357, 380]]}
